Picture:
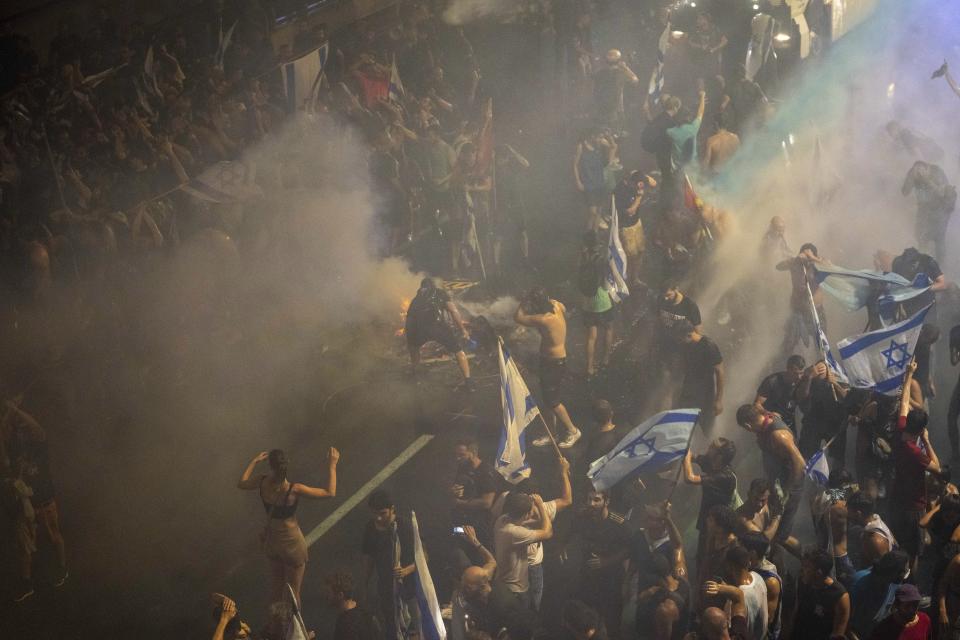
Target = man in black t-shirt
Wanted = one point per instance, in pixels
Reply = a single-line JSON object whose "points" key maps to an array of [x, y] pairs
{"points": [[429, 318], [604, 545], [819, 396], [823, 605], [910, 264], [702, 370], [716, 479], [675, 307], [353, 622], [388, 550], [777, 392], [473, 491]]}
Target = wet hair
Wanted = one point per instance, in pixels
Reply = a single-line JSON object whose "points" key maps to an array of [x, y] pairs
{"points": [[724, 517], [340, 582], [811, 246], [278, 463], [821, 561], [755, 542], [516, 505], [727, 449], [917, 421], [838, 478], [580, 617], [538, 301], [737, 556], [469, 443], [759, 485], [602, 411], [380, 500], [796, 361], [747, 413], [861, 502]]}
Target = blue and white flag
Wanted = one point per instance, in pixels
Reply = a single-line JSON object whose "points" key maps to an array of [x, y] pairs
{"points": [[296, 627], [878, 360], [647, 448], [817, 468], [302, 78], [431, 621], [824, 344], [855, 289], [655, 88], [615, 283], [395, 91], [519, 410]]}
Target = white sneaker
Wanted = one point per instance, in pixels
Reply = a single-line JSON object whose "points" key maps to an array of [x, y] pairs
{"points": [[570, 440], [542, 441]]}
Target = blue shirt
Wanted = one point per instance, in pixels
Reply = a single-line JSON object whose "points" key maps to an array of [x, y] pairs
{"points": [[684, 139]]}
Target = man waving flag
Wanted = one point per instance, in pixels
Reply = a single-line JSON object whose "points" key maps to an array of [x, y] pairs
{"points": [[647, 448], [616, 281], [878, 360], [519, 410]]}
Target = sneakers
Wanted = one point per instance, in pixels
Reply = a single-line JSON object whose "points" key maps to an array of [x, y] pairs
{"points": [[62, 579], [25, 591], [542, 441], [570, 440]]}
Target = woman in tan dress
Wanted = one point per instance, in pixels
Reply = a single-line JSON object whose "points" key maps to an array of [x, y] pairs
{"points": [[282, 539]]}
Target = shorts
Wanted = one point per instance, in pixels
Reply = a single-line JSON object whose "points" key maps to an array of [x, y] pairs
{"points": [[48, 520], [906, 529], [595, 197], [601, 319], [633, 240], [508, 220], [553, 374], [442, 335]]}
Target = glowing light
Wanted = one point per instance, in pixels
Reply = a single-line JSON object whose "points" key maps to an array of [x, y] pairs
{"points": [[891, 89], [782, 37], [676, 34], [404, 306], [693, 4], [756, 7], [791, 139]]}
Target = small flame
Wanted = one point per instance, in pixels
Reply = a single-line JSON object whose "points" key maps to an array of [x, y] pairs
{"points": [[404, 306]]}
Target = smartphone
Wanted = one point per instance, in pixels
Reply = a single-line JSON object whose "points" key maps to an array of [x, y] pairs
{"points": [[458, 531]]}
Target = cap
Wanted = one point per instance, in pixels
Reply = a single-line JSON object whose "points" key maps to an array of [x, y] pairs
{"points": [[908, 593], [614, 55]]}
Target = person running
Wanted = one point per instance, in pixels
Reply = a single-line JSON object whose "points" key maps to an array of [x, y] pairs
{"points": [[429, 319], [548, 317], [282, 540]]}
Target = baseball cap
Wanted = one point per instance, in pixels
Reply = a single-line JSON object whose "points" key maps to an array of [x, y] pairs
{"points": [[908, 593]]}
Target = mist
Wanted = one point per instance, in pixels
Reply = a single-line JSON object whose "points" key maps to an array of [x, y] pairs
{"points": [[461, 12]]}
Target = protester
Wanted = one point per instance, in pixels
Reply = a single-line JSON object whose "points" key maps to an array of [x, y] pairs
{"points": [[597, 307], [823, 605], [429, 319], [703, 375], [806, 298], [778, 391], [906, 622], [717, 482], [387, 546], [354, 622]]}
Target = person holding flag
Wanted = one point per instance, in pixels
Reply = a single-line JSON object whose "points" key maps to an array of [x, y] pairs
{"points": [[597, 303], [519, 410], [387, 546]]}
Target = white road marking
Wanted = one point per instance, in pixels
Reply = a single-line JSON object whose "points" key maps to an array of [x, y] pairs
{"points": [[362, 493]]}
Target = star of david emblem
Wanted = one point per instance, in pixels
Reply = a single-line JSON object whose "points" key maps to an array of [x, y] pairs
{"points": [[639, 447], [897, 355]]}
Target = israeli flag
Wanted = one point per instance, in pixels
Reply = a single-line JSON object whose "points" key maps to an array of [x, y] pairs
{"points": [[519, 410], [395, 92], [296, 627], [616, 280], [655, 88], [431, 622], [817, 468], [878, 360], [824, 344], [647, 448], [854, 289]]}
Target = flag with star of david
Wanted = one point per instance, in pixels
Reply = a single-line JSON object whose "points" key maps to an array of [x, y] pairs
{"points": [[878, 359], [649, 447], [519, 410]]}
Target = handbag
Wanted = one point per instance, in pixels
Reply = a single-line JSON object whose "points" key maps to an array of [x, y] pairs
{"points": [[265, 533]]}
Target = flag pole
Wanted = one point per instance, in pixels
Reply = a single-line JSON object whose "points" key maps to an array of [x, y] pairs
{"points": [[816, 321], [676, 481], [553, 440]]}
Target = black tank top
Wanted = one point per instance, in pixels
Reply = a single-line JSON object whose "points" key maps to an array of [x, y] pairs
{"points": [[282, 510]]}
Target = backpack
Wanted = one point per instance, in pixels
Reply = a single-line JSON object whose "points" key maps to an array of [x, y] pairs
{"points": [[426, 310], [591, 274]]}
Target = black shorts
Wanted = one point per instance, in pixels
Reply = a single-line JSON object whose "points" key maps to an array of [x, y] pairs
{"points": [[509, 220], [602, 319], [553, 375], [906, 529], [596, 197], [442, 335]]}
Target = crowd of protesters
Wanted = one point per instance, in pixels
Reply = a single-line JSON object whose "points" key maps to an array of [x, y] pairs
{"points": [[100, 135]]}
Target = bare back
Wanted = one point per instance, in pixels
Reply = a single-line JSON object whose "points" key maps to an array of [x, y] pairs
{"points": [[553, 332]]}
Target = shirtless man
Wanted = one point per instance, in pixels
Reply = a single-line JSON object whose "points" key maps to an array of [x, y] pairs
{"points": [[547, 316], [782, 461], [719, 149], [800, 325]]}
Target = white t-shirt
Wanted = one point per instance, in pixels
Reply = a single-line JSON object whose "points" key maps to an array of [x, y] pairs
{"points": [[535, 551], [755, 599], [510, 542]]}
